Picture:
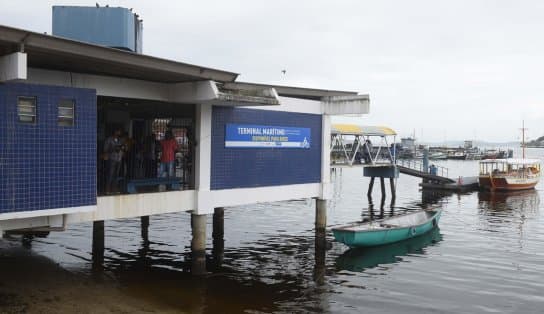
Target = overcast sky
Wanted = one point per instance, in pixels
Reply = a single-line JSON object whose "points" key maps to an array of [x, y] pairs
{"points": [[448, 70]]}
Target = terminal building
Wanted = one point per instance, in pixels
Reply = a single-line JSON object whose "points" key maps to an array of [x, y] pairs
{"points": [[63, 95]]}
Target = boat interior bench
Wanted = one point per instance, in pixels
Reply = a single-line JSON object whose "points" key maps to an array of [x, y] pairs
{"points": [[173, 182]]}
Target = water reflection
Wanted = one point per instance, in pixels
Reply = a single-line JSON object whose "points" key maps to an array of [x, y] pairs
{"points": [[508, 212], [359, 259], [526, 202]]}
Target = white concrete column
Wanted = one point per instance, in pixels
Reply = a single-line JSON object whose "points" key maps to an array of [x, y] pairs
{"points": [[203, 137], [198, 244], [13, 67], [326, 187], [320, 215]]}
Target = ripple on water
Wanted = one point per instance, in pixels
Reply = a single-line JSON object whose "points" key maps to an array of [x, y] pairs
{"points": [[485, 257]]}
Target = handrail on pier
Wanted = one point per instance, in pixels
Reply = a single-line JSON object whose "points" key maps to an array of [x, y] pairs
{"points": [[416, 168]]}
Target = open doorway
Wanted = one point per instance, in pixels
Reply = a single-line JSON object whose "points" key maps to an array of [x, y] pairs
{"points": [[130, 132]]}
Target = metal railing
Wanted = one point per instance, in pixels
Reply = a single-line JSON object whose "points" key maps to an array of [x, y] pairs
{"points": [[418, 166]]}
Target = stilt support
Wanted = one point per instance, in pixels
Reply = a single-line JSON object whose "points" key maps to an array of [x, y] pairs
{"points": [[320, 240], [198, 244], [382, 182], [320, 215], [218, 235], [98, 242], [370, 187], [393, 188], [145, 227]]}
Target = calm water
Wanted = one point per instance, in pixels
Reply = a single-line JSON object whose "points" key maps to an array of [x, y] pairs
{"points": [[487, 256]]}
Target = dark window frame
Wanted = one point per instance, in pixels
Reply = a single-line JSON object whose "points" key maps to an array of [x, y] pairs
{"points": [[21, 114], [66, 120]]}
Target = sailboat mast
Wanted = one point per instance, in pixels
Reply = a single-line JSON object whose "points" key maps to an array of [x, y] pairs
{"points": [[523, 138]]}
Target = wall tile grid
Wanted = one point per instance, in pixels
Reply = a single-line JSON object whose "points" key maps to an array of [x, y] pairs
{"points": [[258, 167], [44, 165]]}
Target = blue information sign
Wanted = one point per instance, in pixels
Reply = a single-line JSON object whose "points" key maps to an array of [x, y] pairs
{"points": [[257, 136]]}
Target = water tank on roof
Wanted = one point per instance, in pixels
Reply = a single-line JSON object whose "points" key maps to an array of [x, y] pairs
{"points": [[107, 26]]}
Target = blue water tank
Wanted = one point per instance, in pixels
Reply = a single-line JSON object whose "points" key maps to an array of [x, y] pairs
{"points": [[107, 26]]}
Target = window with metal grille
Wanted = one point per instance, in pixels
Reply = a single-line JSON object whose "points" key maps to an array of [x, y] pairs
{"points": [[26, 109], [66, 112]]}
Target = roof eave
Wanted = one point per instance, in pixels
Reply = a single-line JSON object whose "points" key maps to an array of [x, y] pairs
{"points": [[27, 40]]}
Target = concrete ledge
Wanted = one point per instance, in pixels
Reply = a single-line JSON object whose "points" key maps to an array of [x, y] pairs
{"points": [[13, 67], [340, 105], [234, 197]]}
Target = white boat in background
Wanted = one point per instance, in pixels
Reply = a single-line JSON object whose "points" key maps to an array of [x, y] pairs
{"points": [[438, 156]]}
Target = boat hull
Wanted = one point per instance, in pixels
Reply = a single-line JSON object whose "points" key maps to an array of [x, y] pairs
{"points": [[505, 184], [458, 157], [384, 236]]}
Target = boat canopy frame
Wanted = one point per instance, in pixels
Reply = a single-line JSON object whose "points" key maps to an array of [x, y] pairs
{"points": [[505, 166]]}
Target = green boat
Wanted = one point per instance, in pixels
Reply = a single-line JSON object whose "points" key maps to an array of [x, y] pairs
{"points": [[388, 230], [362, 258]]}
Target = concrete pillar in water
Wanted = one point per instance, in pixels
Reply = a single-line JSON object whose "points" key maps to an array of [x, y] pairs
{"points": [[198, 244], [320, 240], [218, 235], [320, 215], [98, 242], [320, 257], [145, 227]]}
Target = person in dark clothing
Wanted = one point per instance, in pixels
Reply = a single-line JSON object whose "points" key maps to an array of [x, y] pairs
{"points": [[113, 154]]}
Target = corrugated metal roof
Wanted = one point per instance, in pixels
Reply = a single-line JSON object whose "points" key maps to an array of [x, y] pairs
{"points": [[354, 129]]}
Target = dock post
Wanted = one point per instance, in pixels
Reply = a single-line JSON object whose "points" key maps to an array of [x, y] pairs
{"points": [[393, 188], [218, 235], [382, 182], [198, 244], [144, 222], [320, 216], [370, 187], [320, 258], [98, 242], [320, 239]]}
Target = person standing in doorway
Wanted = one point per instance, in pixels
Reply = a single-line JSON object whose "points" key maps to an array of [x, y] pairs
{"points": [[113, 153], [169, 146]]}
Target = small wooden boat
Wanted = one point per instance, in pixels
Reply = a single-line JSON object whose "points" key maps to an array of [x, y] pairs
{"points": [[388, 230]]}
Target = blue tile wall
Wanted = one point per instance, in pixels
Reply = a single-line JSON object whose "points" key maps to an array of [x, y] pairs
{"points": [[43, 165], [257, 167]]}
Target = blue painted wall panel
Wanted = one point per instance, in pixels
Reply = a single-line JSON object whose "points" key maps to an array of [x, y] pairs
{"points": [[257, 167], [107, 26], [45, 165], [3, 148]]}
